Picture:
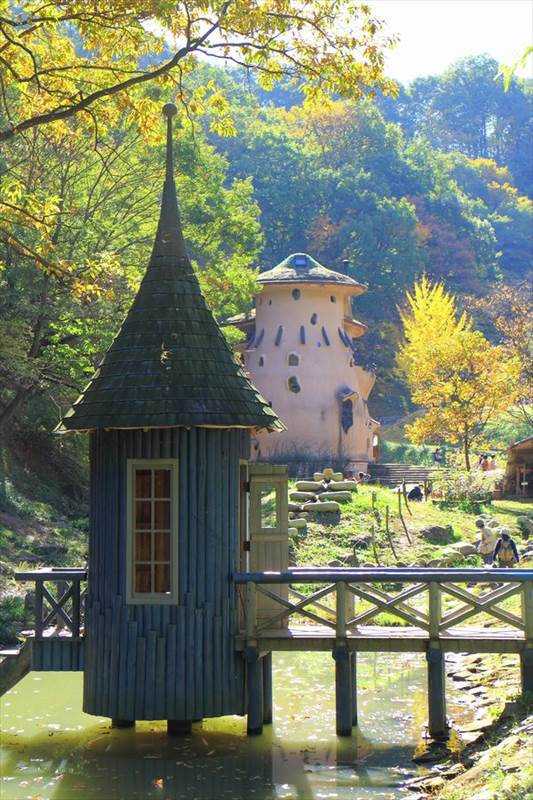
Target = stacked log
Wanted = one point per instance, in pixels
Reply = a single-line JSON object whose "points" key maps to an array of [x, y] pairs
{"points": [[322, 495]]}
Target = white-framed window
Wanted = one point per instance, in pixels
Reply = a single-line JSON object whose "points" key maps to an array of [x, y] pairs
{"points": [[152, 530]]}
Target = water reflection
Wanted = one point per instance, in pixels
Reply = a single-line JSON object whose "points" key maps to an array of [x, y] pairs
{"points": [[52, 751]]}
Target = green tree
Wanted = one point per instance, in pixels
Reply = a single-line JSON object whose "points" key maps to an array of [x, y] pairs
{"points": [[465, 109], [63, 294], [509, 213]]}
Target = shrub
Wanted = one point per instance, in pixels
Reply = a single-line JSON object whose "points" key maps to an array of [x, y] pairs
{"points": [[11, 618], [463, 490], [401, 453]]}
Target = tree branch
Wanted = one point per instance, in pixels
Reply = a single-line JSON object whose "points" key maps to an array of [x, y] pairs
{"points": [[65, 113]]}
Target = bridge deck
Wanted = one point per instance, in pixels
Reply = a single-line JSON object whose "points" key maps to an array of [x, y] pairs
{"points": [[389, 639]]}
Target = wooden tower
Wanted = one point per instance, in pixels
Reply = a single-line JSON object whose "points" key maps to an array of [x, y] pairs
{"points": [[169, 413]]}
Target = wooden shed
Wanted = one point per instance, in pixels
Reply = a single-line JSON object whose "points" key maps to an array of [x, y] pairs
{"points": [[519, 470], [169, 413]]}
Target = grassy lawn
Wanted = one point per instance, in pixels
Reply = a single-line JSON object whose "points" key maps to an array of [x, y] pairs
{"points": [[337, 541], [326, 542]]}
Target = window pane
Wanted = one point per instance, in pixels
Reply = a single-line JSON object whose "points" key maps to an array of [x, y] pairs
{"points": [[162, 547], [143, 514], [142, 578], [162, 578], [268, 508], [162, 515], [151, 543], [142, 546], [162, 482], [142, 483]]}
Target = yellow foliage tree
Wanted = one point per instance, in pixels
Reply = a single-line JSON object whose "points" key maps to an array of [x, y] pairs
{"points": [[459, 378], [79, 73], [62, 58]]}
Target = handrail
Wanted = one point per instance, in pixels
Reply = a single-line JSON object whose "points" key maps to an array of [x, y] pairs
{"points": [[386, 575], [348, 587], [63, 611], [53, 574]]}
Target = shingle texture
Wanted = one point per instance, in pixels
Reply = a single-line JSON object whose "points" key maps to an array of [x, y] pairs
{"points": [[301, 268], [169, 364]]}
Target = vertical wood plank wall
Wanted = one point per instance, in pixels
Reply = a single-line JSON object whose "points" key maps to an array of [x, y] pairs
{"points": [[166, 661]]}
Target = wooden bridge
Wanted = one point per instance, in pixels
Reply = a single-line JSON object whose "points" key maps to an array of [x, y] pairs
{"points": [[336, 610], [444, 600]]}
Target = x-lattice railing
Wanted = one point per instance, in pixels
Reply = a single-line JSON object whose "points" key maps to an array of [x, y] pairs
{"points": [[59, 601], [433, 601]]}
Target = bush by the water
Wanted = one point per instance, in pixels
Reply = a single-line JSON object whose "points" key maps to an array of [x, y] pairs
{"points": [[11, 617]]}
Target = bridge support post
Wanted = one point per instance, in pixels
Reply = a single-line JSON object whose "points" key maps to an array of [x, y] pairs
{"points": [[122, 723], [254, 691], [526, 670], [526, 656], [353, 658], [343, 690], [267, 688], [436, 692], [179, 727]]}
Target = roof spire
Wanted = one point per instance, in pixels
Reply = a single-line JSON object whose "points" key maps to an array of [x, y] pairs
{"points": [[169, 365], [169, 110], [169, 245]]}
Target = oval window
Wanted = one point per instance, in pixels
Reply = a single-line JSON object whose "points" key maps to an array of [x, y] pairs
{"points": [[294, 384], [261, 361], [333, 298], [296, 294], [293, 359], [314, 319]]}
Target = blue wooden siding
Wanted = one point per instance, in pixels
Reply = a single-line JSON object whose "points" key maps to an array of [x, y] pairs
{"points": [[59, 654], [166, 661]]}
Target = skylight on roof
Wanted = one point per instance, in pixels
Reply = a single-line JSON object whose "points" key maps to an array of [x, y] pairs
{"points": [[300, 261]]}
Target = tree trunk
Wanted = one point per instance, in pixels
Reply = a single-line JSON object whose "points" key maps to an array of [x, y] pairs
{"points": [[466, 450], [19, 399]]}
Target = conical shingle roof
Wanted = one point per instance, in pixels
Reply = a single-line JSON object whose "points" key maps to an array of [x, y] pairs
{"points": [[169, 365]]}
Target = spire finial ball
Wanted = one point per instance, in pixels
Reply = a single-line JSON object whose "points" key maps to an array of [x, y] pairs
{"points": [[170, 110]]}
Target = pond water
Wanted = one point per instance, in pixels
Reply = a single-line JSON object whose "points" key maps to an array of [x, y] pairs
{"points": [[50, 750]]}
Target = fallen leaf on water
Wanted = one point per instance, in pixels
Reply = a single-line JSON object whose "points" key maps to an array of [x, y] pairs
{"points": [[158, 783]]}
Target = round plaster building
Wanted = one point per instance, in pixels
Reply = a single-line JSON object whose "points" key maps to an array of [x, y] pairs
{"points": [[301, 354]]}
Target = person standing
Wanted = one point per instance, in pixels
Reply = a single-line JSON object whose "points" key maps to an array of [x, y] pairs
{"points": [[505, 552], [487, 541]]}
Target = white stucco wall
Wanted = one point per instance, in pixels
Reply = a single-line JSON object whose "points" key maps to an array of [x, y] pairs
{"points": [[313, 415]]}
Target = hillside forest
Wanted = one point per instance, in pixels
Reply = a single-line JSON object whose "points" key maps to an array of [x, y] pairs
{"points": [[436, 181]]}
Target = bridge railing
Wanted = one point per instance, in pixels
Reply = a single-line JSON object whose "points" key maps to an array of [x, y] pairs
{"points": [[59, 601], [348, 599]]}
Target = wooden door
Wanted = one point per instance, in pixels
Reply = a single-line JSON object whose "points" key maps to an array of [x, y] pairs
{"points": [[269, 532]]}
